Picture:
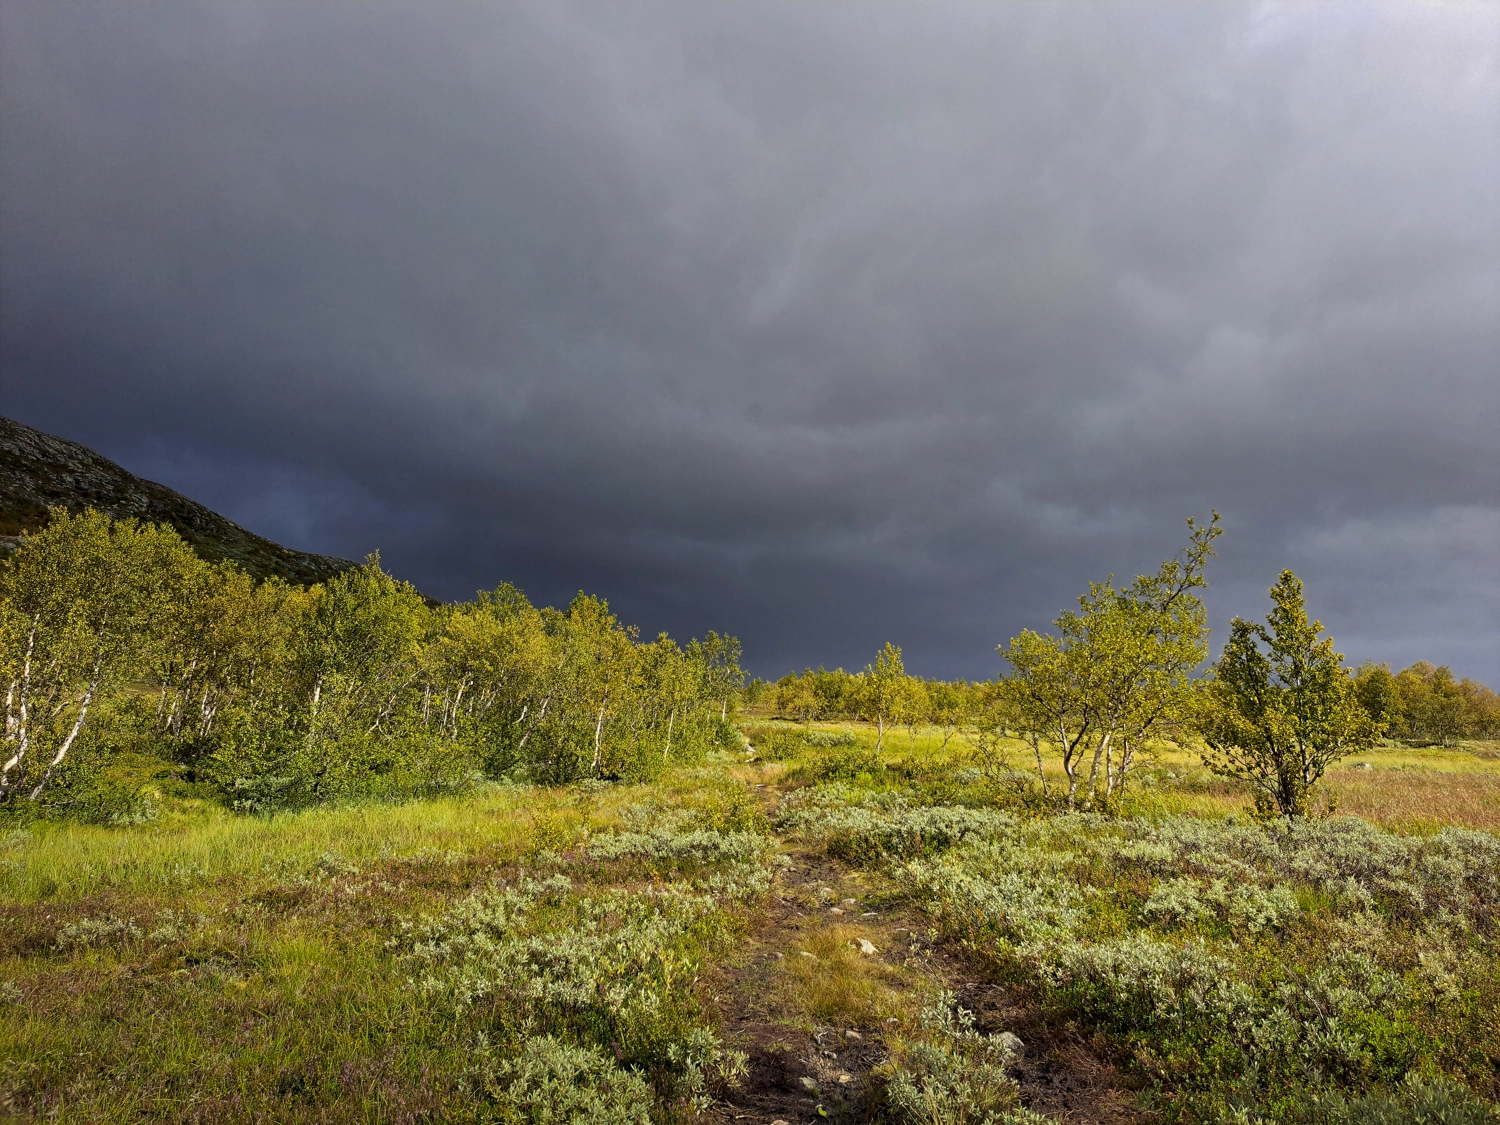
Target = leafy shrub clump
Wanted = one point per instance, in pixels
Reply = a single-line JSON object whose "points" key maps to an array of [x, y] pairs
{"points": [[844, 761], [1418, 1101], [895, 830], [950, 1072], [777, 744], [830, 739], [551, 1081]]}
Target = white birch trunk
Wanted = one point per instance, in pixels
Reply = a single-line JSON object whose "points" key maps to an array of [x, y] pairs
{"points": [[23, 725], [598, 732], [67, 743]]}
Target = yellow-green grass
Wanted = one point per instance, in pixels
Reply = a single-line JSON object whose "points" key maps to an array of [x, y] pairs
{"points": [[212, 967], [205, 846], [59, 862], [1405, 788], [826, 979]]}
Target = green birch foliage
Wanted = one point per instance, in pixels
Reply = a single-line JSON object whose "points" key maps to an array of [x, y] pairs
{"points": [[80, 606], [114, 636], [1117, 671], [886, 693], [1376, 688], [1430, 704], [1281, 707], [344, 720], [722, 677]]}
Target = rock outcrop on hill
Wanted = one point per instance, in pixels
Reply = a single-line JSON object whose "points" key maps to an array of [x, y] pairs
{"points": [[39, 471]]}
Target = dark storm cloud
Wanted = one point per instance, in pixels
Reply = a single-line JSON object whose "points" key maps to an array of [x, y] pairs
{"points": [[824, 324]]}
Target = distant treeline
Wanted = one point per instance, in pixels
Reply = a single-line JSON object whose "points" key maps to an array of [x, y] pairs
{"points": [[1427, 704], [1423, 704], [116, 639]]}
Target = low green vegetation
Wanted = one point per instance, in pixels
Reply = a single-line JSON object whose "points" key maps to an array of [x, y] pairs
{"points": [[336, 855], [1254, 968]]}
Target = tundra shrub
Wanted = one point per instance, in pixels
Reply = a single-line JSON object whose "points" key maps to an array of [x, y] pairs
{"points": [[600, 972], [895, 830], [949, 1072], [1253, 966], [551, 1082]]}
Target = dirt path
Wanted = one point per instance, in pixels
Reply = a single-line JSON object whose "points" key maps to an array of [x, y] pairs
{"points": [[806, 1069]]}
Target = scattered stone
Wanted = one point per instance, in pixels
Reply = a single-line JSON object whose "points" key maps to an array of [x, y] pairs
{"points": [[805, 953], [1011, 1044], [869, 914], [844, 1079], [850, 902], [852, 1034], [834, 910], [867, 948]]}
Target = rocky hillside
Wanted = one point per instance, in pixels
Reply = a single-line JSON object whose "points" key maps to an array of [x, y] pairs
{"points": [[39, 471]]}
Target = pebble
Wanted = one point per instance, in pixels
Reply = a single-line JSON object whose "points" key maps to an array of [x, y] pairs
{"points": [[867, 947]]}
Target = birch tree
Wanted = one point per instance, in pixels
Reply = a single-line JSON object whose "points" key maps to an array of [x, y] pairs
{"points": [[722, 677], [1117, 673], [82, 599], [886, 696]]}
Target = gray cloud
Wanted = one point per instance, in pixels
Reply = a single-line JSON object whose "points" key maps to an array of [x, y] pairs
{"points": [[825, 324]]}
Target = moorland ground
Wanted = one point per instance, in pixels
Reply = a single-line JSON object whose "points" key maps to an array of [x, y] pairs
{"points": [[833, 935]]}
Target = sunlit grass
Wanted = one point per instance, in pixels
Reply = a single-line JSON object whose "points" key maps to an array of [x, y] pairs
{"points": [[1404, 787], [826, 979], [62, 861]]}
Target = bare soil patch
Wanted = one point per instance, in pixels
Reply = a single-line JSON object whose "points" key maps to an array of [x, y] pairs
{"points": [[803, 1070]]}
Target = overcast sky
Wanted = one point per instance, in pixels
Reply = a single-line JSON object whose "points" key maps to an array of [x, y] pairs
{"points": [[824, 324]]}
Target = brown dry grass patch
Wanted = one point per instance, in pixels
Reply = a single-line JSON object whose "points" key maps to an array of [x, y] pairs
{"points": [[1418, 799]]}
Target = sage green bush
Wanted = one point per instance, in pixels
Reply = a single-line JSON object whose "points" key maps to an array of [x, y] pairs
{"points": [[1251, 969], [949, 1072], [579, 992]]}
